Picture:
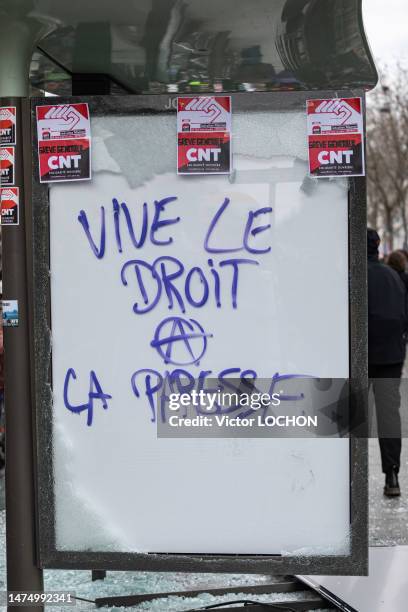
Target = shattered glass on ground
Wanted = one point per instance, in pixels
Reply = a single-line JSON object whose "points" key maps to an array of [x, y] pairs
{"points": [[388, 527]]}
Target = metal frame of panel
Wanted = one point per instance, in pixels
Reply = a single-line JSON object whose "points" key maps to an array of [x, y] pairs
{"points": [[49, 556]]}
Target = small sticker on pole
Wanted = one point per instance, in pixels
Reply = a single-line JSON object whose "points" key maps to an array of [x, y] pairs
{"points": [[7, 125], [7, 159], [335, 137], [204, 135], [64, 142], [10, 205], [10, 313]]}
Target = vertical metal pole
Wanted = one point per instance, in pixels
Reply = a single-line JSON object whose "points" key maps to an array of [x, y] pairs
{"points": [[23, 574], [18, 34]]}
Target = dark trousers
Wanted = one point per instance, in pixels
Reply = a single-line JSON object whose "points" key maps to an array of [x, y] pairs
{"points": [[385, 380]]}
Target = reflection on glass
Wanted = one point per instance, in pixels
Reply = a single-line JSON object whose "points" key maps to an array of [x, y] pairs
{"points": [[229, 45]]}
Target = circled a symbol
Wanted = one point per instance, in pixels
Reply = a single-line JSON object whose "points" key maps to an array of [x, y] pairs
{"points": [[180, 341]]}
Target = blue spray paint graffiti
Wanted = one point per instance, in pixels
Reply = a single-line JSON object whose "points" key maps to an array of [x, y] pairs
{"points": [[179, 341]]}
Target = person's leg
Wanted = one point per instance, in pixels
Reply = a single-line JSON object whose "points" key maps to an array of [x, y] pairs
{"points": [[386, 383], [372, 375]]}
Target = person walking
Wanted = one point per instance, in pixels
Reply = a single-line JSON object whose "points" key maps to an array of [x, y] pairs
{"points": [[387, 327], [398, 262]]}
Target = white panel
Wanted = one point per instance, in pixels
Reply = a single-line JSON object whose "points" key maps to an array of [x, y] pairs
{"points": [[117, 486]]}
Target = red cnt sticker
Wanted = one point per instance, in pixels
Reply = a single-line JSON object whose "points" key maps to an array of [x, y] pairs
{"points": [[204, 135], [10, 204], [64, 142], [7, 125], [335, 137], [7, 174]]}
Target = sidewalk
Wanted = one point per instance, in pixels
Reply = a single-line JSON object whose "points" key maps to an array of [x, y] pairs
{"points": [[388, 516]]}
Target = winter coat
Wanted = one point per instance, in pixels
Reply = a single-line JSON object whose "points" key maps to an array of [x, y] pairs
{"points": [[387, 314]]}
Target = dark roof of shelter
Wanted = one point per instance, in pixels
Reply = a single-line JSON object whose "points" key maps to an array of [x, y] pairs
{"points": [[179, 45]]}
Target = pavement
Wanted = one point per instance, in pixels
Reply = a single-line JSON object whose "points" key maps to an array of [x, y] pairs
{"points": [[388, 516]]}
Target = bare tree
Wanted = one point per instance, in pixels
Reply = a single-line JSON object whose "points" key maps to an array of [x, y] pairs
{"points": [[387, 160]]}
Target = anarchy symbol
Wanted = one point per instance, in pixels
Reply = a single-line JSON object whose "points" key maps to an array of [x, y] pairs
{"points": [[176, 336]]}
